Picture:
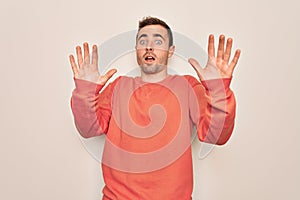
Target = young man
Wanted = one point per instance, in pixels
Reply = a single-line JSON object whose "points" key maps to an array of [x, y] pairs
{"points": [[148, 120]]}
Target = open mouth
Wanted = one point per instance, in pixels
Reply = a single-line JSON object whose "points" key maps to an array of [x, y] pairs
{"points": [[149, 58]]}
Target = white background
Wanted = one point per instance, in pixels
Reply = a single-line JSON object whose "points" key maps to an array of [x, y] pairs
{"points": [[41, 156]]}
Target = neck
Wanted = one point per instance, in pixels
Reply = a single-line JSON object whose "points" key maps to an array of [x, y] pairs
{"points": [[153, 78]]}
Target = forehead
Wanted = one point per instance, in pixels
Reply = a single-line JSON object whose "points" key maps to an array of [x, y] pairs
{"points": [[152, 30]]}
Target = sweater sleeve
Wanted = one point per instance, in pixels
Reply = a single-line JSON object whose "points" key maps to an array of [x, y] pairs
{"points": [[91, 108], [212, 109]]}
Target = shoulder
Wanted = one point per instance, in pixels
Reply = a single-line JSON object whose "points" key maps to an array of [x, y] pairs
{"points": [[120, 79], [192, 80]]}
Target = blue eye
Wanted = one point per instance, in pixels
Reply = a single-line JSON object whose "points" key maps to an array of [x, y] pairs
{"points": [[142, 42], [158, 42]]}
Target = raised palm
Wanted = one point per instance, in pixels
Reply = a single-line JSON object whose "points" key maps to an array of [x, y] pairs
{"points": [[217, 67], [87, 69]]}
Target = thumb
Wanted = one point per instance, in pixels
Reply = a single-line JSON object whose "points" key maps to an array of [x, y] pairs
{"points": [[107, 76], [197, 67]]}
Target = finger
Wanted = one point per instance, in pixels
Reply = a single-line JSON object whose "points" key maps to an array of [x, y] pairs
{"points": [[79, 55], [197, 67], [110, 73], [107, 76], [211, 46], [86, 52], [95, 55], [235, 59], [221, 47], [228, 50], [73, 65]]}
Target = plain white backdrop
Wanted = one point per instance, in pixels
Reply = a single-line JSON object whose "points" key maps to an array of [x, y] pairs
{"points": [[41, 155]]}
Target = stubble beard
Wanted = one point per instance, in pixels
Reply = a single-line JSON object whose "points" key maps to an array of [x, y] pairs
{"points": [[152, 69]]}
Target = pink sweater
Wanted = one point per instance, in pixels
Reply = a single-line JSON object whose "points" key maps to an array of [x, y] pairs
{"points": [[148, 126]]}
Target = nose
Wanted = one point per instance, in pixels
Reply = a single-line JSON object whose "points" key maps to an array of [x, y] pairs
{"points": [[149, 49]]}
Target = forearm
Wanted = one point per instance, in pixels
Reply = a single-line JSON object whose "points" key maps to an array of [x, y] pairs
{"points": [[216, 125], [84, 102]]}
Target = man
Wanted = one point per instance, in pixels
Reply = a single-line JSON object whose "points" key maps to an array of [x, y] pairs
{"points": [[148, 119]]}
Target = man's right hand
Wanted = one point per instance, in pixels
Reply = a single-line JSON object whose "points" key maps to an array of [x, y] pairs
{"points": [[86, 69]]}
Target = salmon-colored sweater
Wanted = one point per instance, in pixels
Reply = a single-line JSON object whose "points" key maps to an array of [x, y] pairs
{"points": [[148, 126]]}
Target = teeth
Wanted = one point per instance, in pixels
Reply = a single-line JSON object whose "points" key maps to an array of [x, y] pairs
{"points": [[149, 57]]}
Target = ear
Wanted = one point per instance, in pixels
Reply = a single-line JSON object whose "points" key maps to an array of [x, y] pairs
{"points": [[171, 51]]}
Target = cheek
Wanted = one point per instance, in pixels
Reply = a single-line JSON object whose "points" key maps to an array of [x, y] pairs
{"points": [[163, 55], [140, 53], [139, 56]]}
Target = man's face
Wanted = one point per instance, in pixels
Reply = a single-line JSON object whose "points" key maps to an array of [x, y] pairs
{"points": [[152, 49]]}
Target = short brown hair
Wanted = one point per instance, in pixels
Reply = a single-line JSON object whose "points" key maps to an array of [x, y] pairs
{"points": [[146, 21]]}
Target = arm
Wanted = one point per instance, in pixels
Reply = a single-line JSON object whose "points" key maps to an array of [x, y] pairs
{"points": [[215, 100], [212, 109], [90, 108]]}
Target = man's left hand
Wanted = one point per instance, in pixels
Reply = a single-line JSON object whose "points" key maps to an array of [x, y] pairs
{"points": [[217, 67]]}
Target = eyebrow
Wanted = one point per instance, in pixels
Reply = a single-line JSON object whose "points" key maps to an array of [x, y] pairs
{"points": [[154, 35], [158, 35]]}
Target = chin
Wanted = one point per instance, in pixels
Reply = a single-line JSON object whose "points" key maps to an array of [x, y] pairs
{"points": [[152, 68]]}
